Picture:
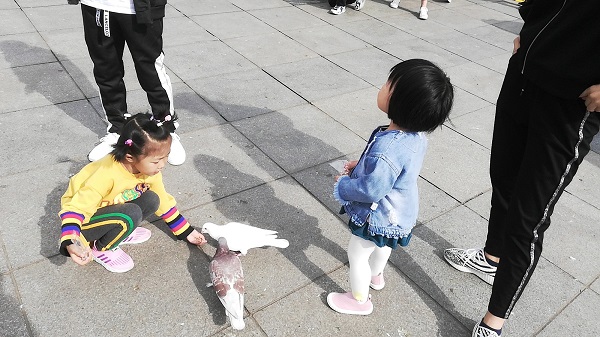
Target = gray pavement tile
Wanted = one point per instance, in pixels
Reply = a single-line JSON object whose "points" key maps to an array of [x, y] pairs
{"points": [[36, 86], [570, 242], [481, 204], [165, 293], [16, 22], [583, 310], [71, 127], [55, 17], [182, 31], [477, 125], [382, 9], [244, 94], [279, 49], [19, 50], [356, 110], [204, 59], [3, 258], [584, 184], [193, 112], [9, 5], [596, 286], [245, 24], [299, 137], [466, 46], [285, 18], [316, 236], [453, 19], [316, 78], [497, 63], [66, 44], [37, 235], [307, 313], [40, 3], [485, 14], [513, 27], [464, 295], [259, 4], [194, 7], [12, 321], [493, 35], [407, 21], [375, 32], [477, 80], [456, 164], [326, 40], [465, 102], [226, 165], [503, 6], [418, 48]]}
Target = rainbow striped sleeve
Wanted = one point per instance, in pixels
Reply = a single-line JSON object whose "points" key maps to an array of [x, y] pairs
{"points": [[71, 228], [177, 223]]}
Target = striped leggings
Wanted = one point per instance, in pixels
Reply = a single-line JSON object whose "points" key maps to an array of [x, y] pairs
{"points": [[112, 224]]}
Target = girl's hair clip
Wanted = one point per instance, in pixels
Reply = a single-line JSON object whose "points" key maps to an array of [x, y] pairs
{"points": [[158, 122], [129, 142]]}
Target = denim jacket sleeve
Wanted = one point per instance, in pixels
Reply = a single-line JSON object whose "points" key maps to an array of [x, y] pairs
{"points": [[376, 181]]}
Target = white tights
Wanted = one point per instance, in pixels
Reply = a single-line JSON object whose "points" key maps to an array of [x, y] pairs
{"points": [[366, 260]]}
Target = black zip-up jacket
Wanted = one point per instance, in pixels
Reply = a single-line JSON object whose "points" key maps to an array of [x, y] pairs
{"points": [[560, 45], [146, 11]]}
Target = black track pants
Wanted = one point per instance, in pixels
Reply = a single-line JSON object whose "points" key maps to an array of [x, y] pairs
{"points": [[539, 141], [145, 45]]}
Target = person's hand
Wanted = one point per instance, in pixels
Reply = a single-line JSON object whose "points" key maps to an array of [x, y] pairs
{"points": [[196, 238], [591, 96], [350, 165], [516, 44], [81, 255]]}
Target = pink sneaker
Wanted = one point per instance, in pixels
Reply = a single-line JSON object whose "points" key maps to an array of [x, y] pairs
{"points": [[139, 235], [115, 260], [346, 304], [377, 282]]}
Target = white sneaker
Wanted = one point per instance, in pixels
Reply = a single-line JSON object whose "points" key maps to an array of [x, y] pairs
{"points": [[337, 10], [395, 3], [104, 147], [471, 261], [480, 331], [359, 4], [449, 1], [177, 155], [423, 13]]}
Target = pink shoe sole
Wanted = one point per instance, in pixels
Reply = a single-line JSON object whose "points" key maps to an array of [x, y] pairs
{"points": [[345, 303], [139, 235]]}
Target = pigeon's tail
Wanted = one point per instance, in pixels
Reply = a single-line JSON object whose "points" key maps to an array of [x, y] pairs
{"points": [[279, 243], [237, 323]]}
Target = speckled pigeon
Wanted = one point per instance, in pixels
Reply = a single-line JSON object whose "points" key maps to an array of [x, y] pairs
{"points": [[227, 279], [241, 237]]}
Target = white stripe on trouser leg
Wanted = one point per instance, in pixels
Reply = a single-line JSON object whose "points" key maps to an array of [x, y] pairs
{"points": [[545, 216], [165, 81]]}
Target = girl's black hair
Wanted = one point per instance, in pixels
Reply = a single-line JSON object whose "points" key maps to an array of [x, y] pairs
{"points": [[137, 136], [421, 95]]}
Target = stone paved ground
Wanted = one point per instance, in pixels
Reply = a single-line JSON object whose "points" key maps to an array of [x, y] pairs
{"points": [[269, 92]]}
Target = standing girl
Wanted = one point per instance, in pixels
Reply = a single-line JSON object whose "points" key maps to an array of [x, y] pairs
{"points": [[380, 194], [106, 201]]}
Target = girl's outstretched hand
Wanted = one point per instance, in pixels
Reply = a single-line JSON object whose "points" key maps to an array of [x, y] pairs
{"points": [[196, 238], [81, 255], [350, 165]]}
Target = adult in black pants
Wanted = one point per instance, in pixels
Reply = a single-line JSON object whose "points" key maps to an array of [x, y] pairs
{"points": [[109, 25], [545, 121]]}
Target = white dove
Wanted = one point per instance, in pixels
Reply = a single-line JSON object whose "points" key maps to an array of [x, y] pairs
{"points": [[241, 237], [227, 279]]}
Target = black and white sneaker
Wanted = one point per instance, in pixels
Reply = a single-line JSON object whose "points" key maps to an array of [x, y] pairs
{"points": [[337, 10], [358, 5], [471, 261], [480, 331]]}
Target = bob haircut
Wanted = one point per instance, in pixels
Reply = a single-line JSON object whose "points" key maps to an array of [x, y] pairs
{"points": [[145, 135], [421, 95]]}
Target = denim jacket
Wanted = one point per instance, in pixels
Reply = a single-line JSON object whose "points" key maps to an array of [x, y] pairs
{"points": [[382, 188]]}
